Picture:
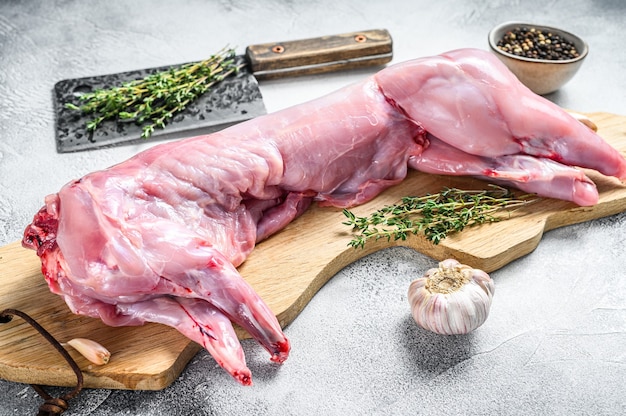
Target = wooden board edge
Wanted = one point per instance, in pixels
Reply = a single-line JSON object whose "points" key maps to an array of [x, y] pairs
{"points": [[64, 376]]}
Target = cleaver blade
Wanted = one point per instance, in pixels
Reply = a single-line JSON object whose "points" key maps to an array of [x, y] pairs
{"points": [[235, 99]]}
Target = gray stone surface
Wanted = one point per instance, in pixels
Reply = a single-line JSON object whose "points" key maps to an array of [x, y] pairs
{"points": [[555, 342]]}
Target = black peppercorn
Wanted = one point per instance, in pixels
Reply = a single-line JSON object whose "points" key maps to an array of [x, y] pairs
{"points": [[537, 44]]}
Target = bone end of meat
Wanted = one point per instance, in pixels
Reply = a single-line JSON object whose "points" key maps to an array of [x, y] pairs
{"points": [[243, 377], [281, 352]]}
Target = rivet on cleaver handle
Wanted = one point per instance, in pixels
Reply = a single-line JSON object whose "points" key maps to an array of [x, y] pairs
{"points": [[321, 54]]}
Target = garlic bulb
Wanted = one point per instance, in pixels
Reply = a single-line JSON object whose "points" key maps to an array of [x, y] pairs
{"points": [[91, 350], [451, 299]]}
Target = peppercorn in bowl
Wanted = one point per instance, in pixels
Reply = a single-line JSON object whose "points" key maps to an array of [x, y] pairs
{"points": [[543, 58]]}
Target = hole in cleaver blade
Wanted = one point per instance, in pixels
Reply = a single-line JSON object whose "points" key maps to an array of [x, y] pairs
{"points": [[235, 99]]}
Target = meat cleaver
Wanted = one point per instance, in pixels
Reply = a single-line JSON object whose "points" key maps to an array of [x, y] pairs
{"points": [[237, 98]]}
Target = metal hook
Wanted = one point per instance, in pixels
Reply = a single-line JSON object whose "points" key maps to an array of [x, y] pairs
{"points": [[52, 406]]}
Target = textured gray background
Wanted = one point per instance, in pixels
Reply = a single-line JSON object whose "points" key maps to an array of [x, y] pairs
{"points": [[555, 342]]}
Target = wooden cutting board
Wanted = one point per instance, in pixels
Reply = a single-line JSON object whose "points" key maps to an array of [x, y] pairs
{"points": [[286, 270]]}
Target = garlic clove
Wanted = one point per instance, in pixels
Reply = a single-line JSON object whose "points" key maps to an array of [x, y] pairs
{"points": [[91, 350], [585, 120], [451, 299]]}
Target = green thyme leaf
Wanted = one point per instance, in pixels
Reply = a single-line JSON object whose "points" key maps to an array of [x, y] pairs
{"points": [[434, 215], [155, 99]]}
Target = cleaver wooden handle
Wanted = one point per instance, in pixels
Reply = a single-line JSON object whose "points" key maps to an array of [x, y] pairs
{"points": [[319, 55]]}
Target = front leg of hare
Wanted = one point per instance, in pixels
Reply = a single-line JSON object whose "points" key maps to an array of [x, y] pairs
{"points": [[194, 269]]}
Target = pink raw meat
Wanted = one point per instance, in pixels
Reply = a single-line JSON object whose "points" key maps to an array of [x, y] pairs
{"points": [[157, 238]]}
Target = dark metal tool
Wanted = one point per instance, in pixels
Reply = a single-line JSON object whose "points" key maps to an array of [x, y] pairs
{"points": [[237, 98]]}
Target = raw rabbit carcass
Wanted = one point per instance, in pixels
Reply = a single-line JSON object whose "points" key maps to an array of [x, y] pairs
{"points": [[157, 238]]}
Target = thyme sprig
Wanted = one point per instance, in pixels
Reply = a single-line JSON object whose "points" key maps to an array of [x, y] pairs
{"points": [[155, 99], [435, 215]]}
